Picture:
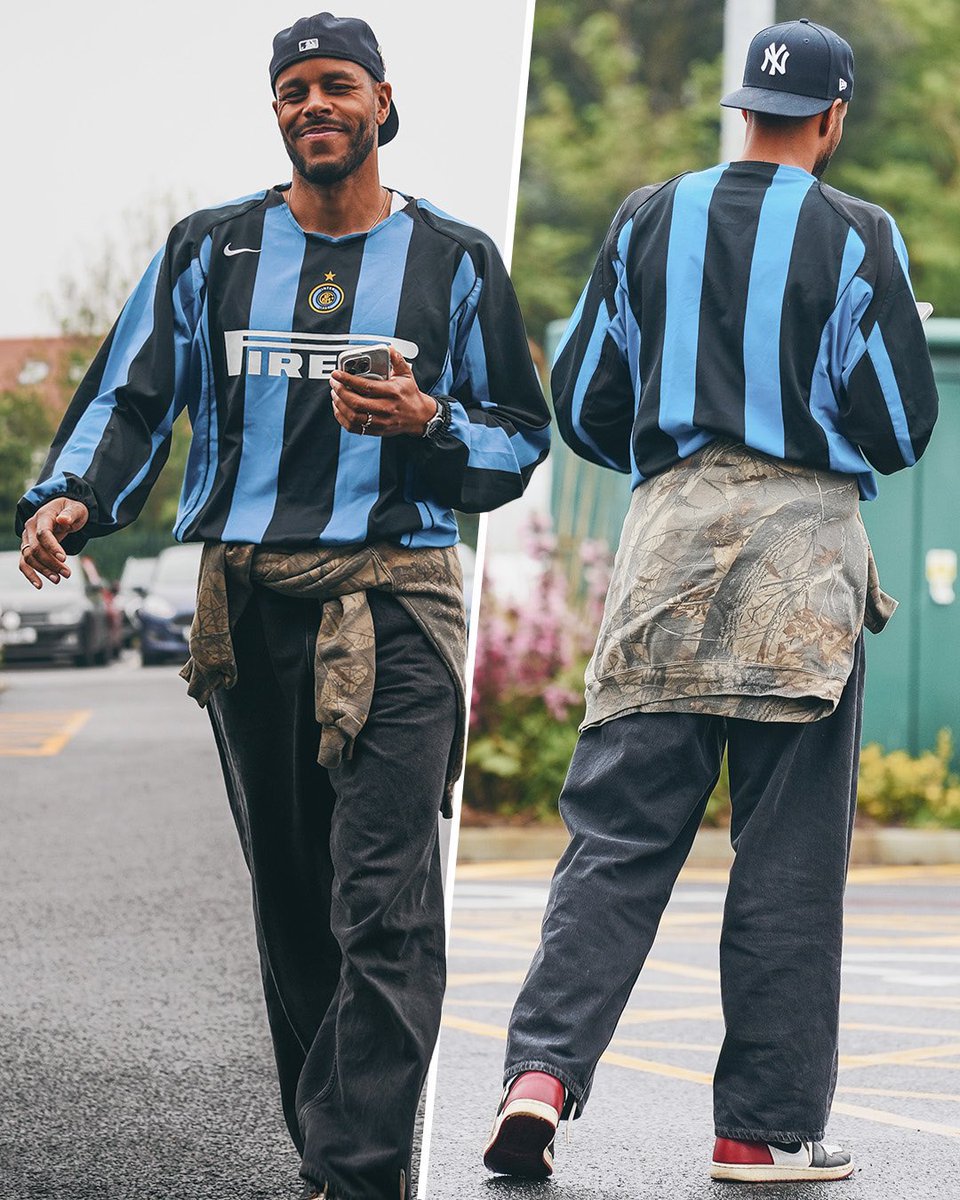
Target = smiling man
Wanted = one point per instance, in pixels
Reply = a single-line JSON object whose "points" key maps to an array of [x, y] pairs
{"points": [[329, 637]]}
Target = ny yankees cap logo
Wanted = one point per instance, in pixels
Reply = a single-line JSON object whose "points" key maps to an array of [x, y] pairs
{"points": [[775, 59], [794, 69]]}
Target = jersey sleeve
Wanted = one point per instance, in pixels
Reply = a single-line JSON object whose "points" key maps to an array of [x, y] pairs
{"points": [[591, 381], [115, 435], [500, 427], [888, 403]]}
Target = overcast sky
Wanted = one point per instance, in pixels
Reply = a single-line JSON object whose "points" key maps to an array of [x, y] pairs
{"points": [[109, 106]]}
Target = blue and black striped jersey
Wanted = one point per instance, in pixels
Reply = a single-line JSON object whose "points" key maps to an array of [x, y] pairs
{"points": [[239, 319], [750, 302]]}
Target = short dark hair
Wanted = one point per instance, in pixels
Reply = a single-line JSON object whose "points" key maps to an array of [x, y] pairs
{"points": [[777, 123]]}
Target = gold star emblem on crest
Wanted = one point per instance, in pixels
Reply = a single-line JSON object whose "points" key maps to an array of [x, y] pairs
{"points": [[330, 275]]}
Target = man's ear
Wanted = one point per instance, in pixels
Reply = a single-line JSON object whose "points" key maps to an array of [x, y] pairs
{"points": [[384, 96], [832, 115]]}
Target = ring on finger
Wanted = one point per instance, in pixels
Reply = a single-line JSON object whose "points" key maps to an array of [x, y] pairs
{"points": [[366, 424]]}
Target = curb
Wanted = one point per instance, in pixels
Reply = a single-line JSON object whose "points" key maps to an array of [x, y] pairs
{"points": [[872, 847]]}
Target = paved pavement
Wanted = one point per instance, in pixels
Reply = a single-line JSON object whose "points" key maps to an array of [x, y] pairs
{"points": [[647, 1131], [135, 1062]]}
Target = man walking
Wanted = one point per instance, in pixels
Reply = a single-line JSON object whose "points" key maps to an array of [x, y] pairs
{"points": [[747, 348], [329, 636]]}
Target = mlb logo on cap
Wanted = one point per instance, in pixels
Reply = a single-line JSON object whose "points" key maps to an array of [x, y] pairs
{"points": [[794, 69], [309, 44]]}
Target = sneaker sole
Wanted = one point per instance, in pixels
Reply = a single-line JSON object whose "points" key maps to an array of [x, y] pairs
{"points": [[765, 1173], [519, 1144]]}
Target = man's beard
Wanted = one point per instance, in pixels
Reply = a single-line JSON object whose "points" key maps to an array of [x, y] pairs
{"points": [[822, 163], [824, 160], [361, 145]]}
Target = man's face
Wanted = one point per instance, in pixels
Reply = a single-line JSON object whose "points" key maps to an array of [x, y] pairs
{"points": [[329, 111]]}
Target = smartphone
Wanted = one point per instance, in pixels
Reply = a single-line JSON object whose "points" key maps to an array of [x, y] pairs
{"points": [[369, 362]]}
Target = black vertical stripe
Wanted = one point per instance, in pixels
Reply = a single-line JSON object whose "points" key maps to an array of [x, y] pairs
{"points": [[732, 222], [647, 277], [809, 299], [311, 434], [230, 295], [424, 304]]}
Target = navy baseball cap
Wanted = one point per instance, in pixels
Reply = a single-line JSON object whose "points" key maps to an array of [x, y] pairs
{"points": [[327, 36], [794, 69]]}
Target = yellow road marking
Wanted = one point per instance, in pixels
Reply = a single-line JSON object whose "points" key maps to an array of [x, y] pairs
{"points": [[655, 1068], [39, 734], [471, 978], [894, 1093], [694, 1012], [922, 1030], [543, 868], [888, 1118], [654, 1044], [895, 1057], [648, 1067]]}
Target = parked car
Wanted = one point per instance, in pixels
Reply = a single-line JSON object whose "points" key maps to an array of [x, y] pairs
{"points": [[108, 594], [66, 621], [131, 592], [168, 607]]}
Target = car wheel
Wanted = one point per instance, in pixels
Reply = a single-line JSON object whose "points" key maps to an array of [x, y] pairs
{"points": [[150, 660]]}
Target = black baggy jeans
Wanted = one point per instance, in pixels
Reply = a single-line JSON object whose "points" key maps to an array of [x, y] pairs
{"points": [[633, 800], [347, 895]]}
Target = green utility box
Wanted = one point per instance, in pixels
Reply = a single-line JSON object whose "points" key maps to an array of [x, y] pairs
{"points": [[913, 667]]}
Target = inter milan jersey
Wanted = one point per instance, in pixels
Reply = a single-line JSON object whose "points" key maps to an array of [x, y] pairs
{"points": [[240, 320], [754, 303]]}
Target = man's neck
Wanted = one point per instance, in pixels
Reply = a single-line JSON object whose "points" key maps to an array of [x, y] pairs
{"points": [[786, 154], [353, 205]]}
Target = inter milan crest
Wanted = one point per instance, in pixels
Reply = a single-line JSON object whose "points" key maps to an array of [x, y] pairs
{"points": [[326, 297]]}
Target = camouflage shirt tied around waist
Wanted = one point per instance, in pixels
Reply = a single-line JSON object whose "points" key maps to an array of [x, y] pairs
{"points": [[740, 587], [427, 581]]}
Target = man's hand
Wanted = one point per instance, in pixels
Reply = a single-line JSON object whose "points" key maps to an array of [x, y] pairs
{"points": [[40, 549], [382, 407]]}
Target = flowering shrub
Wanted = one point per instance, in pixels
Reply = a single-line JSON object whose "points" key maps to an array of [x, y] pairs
{"points": [[898, 789], [528, 679]]}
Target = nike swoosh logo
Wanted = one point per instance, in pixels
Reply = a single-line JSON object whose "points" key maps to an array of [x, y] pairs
{"points": [[230, 252]]}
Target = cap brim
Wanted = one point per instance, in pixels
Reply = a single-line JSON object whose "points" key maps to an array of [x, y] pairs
{"points": [[388, 130], [782, 104]]}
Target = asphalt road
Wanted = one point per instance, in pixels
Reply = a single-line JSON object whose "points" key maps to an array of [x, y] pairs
{"points": [[647, 1131], [135, 1062]]}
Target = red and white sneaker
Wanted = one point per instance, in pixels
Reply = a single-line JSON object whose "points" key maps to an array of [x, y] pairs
{"points": [[521, 1142], [758, 1162]]}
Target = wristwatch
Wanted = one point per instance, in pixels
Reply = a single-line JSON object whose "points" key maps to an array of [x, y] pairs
{"points": [[440, 421]]}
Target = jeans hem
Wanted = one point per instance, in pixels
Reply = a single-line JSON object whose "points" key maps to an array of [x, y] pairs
{"points": [[575, 1090], [770, 1135], [322, 1180]]}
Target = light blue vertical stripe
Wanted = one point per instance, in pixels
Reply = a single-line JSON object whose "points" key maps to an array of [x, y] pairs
{"points": [[375, 309], [134, 327], [684, 283], [853, 296], [630, 339], [201, 470], [588, 368], [766, 295], [265, 396], [900, 247], [572, 324], [887, 379], [183, 299]]}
